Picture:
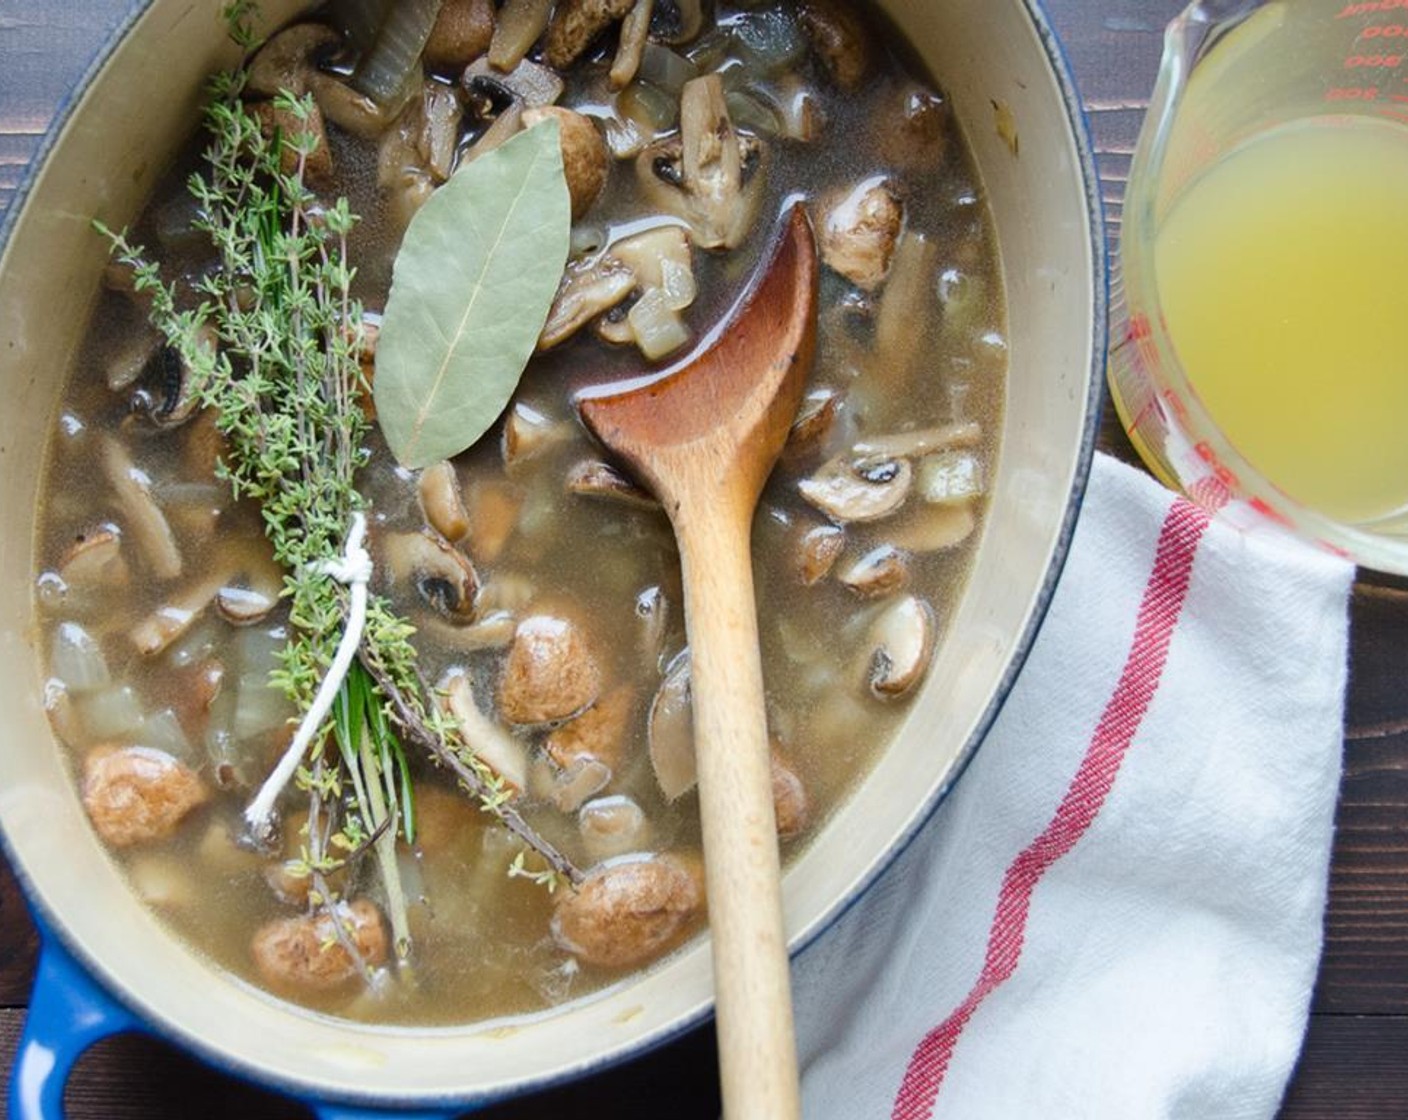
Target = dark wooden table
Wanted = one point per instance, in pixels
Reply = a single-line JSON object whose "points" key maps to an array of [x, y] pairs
{"points": [[1355, 1061]]}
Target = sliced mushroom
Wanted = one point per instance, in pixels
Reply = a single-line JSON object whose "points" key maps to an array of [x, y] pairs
{"points": [[520, 24], [592, 478], [251, 596], [710, 174], [491, 744], [290, 59], [442, 502], [493, 511], [799, 109], [901, 642], [506, 125], [136, 794], [653, 611], [635, 33], [95, 562], [551, 672], [626, 913], [575, 23], [508, 591], [815, 419], [463, 31], [840, 39], [441, 574], [659, 258], [599, 732], [859, 229], [881, 571], [351, 111], [854, 487], [493, 630], [671, 732], [203, 445], [613, 826], [170, 391], [584, 160], [528, 84], [908, 298], [528, 433], [434, 123], [145, 521], [174, 617], [130, 357], [930, 527], [588, 288], [922, 441], [567, 787], [817, 550]]}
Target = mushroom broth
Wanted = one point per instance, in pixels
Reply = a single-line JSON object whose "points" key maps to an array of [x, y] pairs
{"points": [[157, 591]]}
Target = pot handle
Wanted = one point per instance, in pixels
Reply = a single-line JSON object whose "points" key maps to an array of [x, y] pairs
{"points": [[68, 1012]]}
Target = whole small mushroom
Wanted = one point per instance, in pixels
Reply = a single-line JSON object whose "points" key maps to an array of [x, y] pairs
{"points": [[462, 32], [584, 159], [551, 672], [289, 60]]}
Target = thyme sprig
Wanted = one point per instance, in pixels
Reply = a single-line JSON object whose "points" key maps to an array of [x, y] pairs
{"points": [[285, 384]]}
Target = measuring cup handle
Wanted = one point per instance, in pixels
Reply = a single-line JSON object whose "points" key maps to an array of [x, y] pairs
{"points": [[68, 1012]]}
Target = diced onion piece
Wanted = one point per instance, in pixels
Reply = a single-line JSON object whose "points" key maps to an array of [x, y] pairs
{"points": [[649, 108], [770, 39], [77, 659], [950, 476], [678, 284], [113, 713], [665, 69], [387, 69], [164, 732], [752, 113], [671, 732], [658, 329]]}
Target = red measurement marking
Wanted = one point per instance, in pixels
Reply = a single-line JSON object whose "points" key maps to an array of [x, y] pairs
{"points": [[1353, 93], [1398, 96], [1351, 10], [1373, 61], [1385, 31], [1270, 511], [1394, 116]]}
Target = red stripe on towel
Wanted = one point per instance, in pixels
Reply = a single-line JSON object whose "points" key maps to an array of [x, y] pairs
{"points": [[1164, 595]]}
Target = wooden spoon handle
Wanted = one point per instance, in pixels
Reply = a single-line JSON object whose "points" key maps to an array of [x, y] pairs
{"points": [[757, 1049]]}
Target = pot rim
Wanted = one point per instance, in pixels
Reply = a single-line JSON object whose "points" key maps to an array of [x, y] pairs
{"points": [[52, 926]]}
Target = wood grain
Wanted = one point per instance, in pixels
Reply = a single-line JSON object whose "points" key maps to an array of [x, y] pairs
{"points": [[1353, 1065]]}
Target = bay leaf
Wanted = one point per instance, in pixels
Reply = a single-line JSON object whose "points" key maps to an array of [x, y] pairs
{"points": [[470, 291]]}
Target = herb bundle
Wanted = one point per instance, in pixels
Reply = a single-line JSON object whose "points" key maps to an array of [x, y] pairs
{"points": [[285, 383]]}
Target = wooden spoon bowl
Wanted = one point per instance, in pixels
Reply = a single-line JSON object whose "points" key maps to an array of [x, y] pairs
{"points": [[704, 437]]}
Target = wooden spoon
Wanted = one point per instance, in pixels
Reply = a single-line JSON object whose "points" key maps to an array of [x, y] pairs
{"points": [[704, 437]]}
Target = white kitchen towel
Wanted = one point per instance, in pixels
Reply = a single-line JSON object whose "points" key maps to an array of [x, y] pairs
{"points": [[1118, 911]]}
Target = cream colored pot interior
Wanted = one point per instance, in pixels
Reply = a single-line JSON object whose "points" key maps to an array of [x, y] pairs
{"points": [[990, 58]]}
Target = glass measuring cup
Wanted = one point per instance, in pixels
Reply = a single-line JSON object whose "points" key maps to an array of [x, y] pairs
{"points": [[1260, 357]]}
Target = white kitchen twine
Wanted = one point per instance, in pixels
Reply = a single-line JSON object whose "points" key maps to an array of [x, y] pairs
{"points": [[353, 568]]}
